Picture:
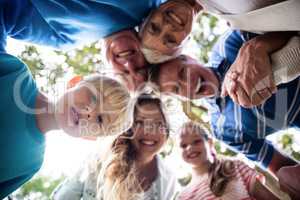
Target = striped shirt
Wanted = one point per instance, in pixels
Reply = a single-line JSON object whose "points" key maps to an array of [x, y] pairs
{"points": [[245, 130], [237, 189]]}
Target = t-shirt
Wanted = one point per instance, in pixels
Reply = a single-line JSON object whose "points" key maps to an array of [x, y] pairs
{"points": [[237, 189], [65, 24], [235, 6], [22, 145]]}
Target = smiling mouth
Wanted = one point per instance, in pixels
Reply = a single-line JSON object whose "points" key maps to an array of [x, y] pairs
{"points": [[175, 17], [148, 142], [125, 53], [193, 155], [74, 115]]}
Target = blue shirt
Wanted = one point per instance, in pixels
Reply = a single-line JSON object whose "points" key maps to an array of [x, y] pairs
{"points": [[68, 23], [245, 130], [22, 145]]}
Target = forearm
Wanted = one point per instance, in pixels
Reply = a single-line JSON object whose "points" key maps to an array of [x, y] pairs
{"points": [[260, 191], [271, 42]]}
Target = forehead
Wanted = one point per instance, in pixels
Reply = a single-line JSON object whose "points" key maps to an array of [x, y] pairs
{"points": [[189, 133], [149, 111]]}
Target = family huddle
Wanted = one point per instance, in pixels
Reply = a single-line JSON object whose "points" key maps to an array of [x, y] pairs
{"points": [[250, 87]]}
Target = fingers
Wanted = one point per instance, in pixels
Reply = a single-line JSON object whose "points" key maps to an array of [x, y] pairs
{"points": [[229, 84]]}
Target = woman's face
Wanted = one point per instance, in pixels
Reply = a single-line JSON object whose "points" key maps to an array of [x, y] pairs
{"points": [[195, 149], [167, 27], [149, 130]]}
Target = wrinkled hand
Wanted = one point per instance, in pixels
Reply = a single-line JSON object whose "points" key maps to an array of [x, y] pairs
{"points": [[249, 81]]}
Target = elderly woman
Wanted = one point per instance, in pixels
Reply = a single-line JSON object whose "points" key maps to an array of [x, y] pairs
{"points": [[133, 168]]}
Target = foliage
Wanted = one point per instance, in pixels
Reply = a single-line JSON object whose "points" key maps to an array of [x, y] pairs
{"points": [[38, 188]]}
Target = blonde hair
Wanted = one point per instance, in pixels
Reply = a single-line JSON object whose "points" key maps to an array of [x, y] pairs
{"points": [[116, 96], [118, 179], [222, 170]]}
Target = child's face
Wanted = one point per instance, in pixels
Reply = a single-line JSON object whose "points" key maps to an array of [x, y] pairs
{"points": [[167, 27], [194, 148], [80, 111], [149, 130]]}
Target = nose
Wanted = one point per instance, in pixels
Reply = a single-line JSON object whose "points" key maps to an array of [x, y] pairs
{"points": [[134, 71]]}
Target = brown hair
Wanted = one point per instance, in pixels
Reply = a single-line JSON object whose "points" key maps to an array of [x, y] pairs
{"points": [[119, 171], [222, 171]]}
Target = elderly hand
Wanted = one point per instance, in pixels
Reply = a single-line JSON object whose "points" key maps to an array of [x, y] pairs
{"points": [[249, 81]]}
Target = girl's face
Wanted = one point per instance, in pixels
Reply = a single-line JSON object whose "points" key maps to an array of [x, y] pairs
{"points": [[149, 130], [80, 111], [195, 149]]}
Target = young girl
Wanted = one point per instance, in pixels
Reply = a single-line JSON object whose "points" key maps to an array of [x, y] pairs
{"points": [[94, 106], [215, 178], [132, 169]]}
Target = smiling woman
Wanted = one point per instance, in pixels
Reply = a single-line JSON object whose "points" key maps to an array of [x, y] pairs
{"points": [[164, 31], [132, 169]]}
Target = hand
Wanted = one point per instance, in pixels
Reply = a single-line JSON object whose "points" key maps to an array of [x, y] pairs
{"points": [[249, 81]]}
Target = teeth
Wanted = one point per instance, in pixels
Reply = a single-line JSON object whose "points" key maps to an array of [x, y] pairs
{"points": [[148, 142], [198, 86], [125, 53], [175, 17], [193, 155]]}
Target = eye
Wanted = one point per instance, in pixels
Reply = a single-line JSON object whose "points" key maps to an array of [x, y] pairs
{"points": [[176, 89], [183, 146], [154, 28], [99, 119], [94, 99], [182, 74], [197, 141]]}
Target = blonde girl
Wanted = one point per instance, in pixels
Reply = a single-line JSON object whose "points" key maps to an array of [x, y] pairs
{"points": [[213, 177]]}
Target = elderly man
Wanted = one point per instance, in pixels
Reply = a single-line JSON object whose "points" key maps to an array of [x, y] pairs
{"points": [[67, 24], [242, 129]]}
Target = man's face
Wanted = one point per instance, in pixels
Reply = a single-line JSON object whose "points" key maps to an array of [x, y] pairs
{"points": [[185, 77], [167, 27], [123, 52]]}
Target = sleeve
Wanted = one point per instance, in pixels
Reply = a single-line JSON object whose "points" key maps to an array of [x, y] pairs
{"points": [[286, 62], [225, 52], [257, 150], [70, 189], [22, 21]]}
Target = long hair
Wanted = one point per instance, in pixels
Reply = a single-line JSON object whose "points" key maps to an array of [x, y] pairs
{"points": [[222, 170], [118, 177]]}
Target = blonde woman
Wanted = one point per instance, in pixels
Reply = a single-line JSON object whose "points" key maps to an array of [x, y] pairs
{"points": [[133, 169], [215, 178]]}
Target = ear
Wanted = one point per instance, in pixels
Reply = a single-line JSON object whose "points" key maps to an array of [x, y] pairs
{"points": [[74, 81]]}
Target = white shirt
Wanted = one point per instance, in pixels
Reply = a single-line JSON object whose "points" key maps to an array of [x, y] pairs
{"points": [[235, 6], [76, 188]]}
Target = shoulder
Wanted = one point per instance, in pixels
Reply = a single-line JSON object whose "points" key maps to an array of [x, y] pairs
{"points": [[10, 64]]}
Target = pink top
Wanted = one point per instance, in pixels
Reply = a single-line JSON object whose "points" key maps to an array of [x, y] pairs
{"points": [[237, 189]]}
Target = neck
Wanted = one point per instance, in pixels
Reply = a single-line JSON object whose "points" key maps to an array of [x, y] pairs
{"points": [[147, 172], [202, 169], [45, 117]]}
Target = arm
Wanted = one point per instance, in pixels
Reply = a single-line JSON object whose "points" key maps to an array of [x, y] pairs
{"points": [[70, 189], [261, 192], [249, 81]]}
